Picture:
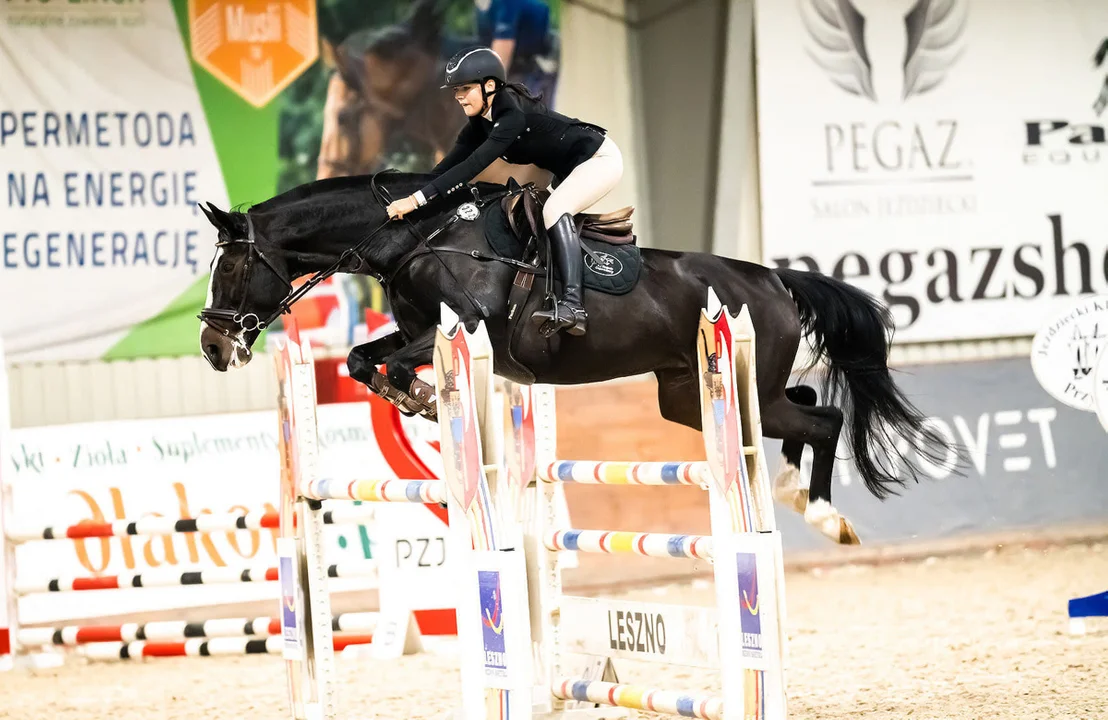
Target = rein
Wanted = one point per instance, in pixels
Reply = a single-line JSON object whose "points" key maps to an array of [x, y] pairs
{"points": [[242, 318], [424, 246], [249, 321]]}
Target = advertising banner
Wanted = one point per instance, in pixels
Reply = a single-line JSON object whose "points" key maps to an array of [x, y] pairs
{"points": [[117, 118], [949, 156], [1032, 463], [184, 467]]}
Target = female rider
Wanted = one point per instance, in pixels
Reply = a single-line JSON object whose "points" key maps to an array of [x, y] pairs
{"points": [[506, 120]]}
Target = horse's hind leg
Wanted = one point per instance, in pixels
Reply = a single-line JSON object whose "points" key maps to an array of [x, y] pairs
{"points": [[786, 486], [793, 418], [679, 397], [797, 424]]}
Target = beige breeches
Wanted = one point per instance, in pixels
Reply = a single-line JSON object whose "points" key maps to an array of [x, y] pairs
{"points": [[587, 184]]}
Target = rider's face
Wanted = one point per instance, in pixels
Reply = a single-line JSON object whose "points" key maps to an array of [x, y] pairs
{"points": [[469, 97]]}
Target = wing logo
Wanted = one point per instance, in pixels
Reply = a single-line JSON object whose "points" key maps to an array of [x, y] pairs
{"points": [[933, 33], [494, 620], [750, 600]]}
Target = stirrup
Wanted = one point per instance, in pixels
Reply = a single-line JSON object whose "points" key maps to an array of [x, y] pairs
{"points": [[562, 316]]}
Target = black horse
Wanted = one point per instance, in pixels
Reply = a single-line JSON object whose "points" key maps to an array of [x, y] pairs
{"points": [[434, 257]]}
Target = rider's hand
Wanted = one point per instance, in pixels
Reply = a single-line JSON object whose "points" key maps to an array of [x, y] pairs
{"points": [[402, 207]]}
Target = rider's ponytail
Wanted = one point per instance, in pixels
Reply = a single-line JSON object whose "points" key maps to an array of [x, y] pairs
{"points": [[522, 91]]}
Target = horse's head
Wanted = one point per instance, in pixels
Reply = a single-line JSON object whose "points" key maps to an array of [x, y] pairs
{"points": [[318, 228], [372, 90], [246, 290], [353, 136]]}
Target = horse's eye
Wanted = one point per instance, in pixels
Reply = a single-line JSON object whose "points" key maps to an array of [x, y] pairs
{"points": [[226, 267]]}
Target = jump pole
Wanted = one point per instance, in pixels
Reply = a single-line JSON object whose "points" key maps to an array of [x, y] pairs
{"points": [[8, 607]]}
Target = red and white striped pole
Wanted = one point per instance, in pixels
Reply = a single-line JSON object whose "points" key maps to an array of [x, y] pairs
{"points": [[7, 550]]}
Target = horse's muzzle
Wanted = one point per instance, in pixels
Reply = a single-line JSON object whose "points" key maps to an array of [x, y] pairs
{"points": [[222, 351]]}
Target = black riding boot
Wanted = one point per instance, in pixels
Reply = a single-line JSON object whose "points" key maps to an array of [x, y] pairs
{"points": [[569, 314]]}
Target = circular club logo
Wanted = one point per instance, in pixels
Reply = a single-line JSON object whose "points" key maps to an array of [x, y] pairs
{"points": [[1066, 350], [601, 263]]}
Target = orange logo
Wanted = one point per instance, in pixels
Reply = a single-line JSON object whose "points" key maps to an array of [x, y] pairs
{"points": [[255, 47]]}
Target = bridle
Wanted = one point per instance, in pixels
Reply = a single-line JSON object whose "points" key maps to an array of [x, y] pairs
{"points": [[249, 321]]}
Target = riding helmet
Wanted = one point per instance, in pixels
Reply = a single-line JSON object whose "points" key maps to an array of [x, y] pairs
{"points": [[474, 66]]}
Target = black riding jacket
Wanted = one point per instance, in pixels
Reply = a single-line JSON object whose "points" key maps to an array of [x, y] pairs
{"points": [[528, 135]]}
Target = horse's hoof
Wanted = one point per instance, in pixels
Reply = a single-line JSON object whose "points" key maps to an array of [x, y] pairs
{"points": [[829, 521], [847, 536]]}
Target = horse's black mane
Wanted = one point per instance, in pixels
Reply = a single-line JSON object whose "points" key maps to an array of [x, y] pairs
{"points": [[397, 185], [339, 185]]}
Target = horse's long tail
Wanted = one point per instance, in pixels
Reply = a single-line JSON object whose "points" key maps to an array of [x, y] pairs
{"points": [[851, 330]]}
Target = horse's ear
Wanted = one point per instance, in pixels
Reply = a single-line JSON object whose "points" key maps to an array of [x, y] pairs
{"points": [[207, 214], [327, 53], [425, 22], [218, 218], [347, 67]]}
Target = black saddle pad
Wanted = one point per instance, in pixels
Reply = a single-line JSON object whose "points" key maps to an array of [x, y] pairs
{"points": [[611, 269]]}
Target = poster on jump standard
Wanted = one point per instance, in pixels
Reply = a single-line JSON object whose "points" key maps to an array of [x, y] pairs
{"points": [[949, 156]]}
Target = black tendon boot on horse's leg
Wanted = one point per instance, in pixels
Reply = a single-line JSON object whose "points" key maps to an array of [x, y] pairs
{"points": [[568, 313]]}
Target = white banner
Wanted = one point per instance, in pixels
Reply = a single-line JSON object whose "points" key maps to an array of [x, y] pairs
{"points": [[181, 467], [948, 156], [104, 152]]}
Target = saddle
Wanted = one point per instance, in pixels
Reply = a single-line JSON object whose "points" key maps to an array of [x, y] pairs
{"points": [[515, 231], [613, 228]]}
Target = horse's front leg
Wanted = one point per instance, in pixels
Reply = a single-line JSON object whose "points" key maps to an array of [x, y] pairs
{"points": [[362, 363], [402, 364], [363, 360]]}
